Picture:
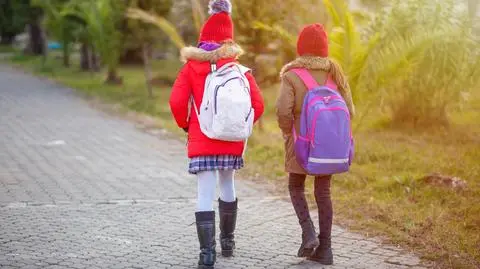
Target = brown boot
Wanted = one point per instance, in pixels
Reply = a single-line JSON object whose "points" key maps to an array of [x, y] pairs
{"points": [[323, 254], [309, 239]]}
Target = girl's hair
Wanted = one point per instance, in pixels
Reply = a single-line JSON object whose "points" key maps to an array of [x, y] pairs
{"points": [[337, 74]]}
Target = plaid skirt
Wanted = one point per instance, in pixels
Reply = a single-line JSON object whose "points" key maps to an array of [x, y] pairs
{"points": [[213, 163]]}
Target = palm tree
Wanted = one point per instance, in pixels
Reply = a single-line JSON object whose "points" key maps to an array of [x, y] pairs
{"points": [[146, 34], [418, 69], [102, 18], [58, 22], [442, 68], [13, 18]]}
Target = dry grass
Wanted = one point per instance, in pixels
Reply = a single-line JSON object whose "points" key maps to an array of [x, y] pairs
{"points": [[383, 194]]}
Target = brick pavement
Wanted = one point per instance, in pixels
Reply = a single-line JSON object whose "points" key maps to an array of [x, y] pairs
{"points": [[82, 189]]}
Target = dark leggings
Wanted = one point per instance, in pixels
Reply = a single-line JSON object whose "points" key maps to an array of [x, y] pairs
{"points": [[296, 186]]}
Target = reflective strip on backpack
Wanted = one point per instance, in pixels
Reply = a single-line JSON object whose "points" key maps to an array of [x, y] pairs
{"points": [[316, 160]]}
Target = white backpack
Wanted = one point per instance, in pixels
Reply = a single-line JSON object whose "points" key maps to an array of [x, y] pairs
{"points": [[226, 112]]}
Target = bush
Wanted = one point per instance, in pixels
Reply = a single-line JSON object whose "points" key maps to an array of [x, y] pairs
{"points": [[443, 64]]}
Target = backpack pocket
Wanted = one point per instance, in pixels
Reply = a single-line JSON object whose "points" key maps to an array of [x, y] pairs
{"points": [[302, 151], [331, 142], [233, 113]]}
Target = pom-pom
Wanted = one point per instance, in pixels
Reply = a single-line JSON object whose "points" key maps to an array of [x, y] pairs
{"points": [[218, 6]]}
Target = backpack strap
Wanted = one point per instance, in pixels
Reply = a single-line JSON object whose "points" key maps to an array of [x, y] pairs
{"points": [[330, 83], [306, 77], [310, 81], [213, 67], [192, 103]]}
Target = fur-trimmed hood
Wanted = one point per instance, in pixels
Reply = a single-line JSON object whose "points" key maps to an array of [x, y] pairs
{"points": [[307, 62], [327, 65], [226, 51]]}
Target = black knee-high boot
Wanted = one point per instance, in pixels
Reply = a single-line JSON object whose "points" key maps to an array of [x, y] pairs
{"points": [[206, 236], [228, 221]]}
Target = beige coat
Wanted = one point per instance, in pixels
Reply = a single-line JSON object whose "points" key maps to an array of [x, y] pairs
{"points": [[290, 101]]}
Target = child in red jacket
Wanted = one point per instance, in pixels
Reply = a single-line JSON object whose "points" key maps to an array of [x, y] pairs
{"points": [[207, 156]]}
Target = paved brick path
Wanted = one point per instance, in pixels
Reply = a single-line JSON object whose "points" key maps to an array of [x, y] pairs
{"points": [[81, 189]]}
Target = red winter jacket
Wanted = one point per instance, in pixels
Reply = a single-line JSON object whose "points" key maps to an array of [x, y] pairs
{"points": [[191, 81]]}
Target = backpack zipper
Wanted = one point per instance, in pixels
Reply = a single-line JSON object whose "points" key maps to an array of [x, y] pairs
{"points": [[325, 99]]}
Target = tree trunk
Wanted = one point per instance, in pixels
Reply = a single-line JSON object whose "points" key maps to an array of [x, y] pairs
{"points": [[132, 56], [66, 55], [95, 64], [147, 54], [37, 40], [112, 77], [85, 63]]}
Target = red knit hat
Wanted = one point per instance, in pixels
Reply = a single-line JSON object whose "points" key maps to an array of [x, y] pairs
{"points": [[313, 40], [219, 27]]}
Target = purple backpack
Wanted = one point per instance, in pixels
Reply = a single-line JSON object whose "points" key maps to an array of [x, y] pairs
{"points": [[324, 145]]}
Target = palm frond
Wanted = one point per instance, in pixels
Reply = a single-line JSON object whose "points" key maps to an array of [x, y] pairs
{"points": [[337, 45], [163, 24], [359, 62], [278, 30], [332, 12], [198, 14]]}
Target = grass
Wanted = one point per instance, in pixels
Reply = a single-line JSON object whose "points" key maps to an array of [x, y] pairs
{"points": [[381, 196], [7, 49]]}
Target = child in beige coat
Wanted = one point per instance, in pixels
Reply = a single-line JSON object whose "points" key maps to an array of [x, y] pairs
{"points": [[312, 48]]}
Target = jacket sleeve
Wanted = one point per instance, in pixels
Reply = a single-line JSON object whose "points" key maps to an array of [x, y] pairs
{"points": [[257, 99], [285, 107], [180, 97]]}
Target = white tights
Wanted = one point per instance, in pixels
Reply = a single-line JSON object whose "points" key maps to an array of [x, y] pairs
{"points": [[207, 185]]}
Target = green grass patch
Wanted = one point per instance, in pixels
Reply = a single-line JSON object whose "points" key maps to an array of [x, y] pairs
{"points": [[7, 49], [382, 195]]}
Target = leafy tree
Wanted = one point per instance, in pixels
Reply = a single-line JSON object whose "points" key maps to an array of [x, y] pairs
{"points": [[102, 20], [17, 16], [448, 64], [162, 23], [416, 56], [188, 17], [75, 14], [13, 19], [255, 41], [61, 23], [37, 41], [146, 35], [88, 56]]}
